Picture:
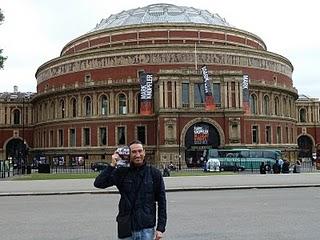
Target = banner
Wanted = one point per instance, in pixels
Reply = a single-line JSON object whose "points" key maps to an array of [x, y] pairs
{"points": [[209, 101], [245, 94], [201, 134], [146, 81]]}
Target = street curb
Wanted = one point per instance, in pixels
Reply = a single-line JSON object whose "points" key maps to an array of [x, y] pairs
{"points": [[186, 189]]}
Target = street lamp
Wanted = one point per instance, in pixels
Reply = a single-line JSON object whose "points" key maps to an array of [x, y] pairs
{"points": [[22, 156], [179, 139], [25, 149]]}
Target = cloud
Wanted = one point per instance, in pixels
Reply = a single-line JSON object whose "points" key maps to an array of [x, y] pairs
{"points": [[36, 31]]}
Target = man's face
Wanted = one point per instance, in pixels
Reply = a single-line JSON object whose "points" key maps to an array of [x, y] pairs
{"points": [[137, 154]]}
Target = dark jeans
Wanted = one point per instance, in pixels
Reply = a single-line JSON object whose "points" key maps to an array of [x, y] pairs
{"points": [[144, 234]]}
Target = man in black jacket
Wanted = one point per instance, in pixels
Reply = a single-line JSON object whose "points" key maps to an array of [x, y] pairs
{"points": [[140, 187]]}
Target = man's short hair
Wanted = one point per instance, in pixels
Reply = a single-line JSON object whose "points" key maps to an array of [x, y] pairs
{"points": [[135, 142]]}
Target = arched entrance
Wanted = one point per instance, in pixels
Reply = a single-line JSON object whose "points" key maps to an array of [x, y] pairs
{"points": [[199, 138], [305, 145], [15, 150]]}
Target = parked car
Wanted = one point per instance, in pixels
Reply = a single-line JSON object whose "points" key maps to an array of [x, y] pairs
{"points": [[231, 167], [99, 166]]}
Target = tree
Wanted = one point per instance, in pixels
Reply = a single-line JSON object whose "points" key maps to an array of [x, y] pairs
{"points": [[2, 58]]}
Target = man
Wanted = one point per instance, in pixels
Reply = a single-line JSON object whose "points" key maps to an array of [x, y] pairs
{"points": [[140, 187], [262, 168], [276, 167]]}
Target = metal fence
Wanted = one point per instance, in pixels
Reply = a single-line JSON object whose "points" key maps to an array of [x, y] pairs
{"points": [[250, 167], [4, 169], [7, 169]]}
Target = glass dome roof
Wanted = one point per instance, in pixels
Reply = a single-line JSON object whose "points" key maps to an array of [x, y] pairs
{"points": [[161, 13]]}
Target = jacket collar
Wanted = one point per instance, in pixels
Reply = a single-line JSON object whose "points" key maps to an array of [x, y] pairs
{"points": [[138, 168]]}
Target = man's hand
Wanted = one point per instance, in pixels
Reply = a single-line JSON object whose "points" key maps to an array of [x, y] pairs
{"points": [[159, 235], [114, 158]]}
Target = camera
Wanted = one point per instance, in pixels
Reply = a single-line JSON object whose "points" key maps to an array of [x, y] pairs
{"points": [[124, 154]]}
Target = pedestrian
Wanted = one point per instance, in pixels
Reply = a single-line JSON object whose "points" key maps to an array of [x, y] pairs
{"points": [[280, 162], [262, 168], [142, 192], [285, 166], [166, 171], [276, 167], [297, 167], [172, 167]]}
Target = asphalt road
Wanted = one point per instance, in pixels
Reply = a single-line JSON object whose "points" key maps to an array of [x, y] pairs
{"points": [[208, 182], [248, 214]]}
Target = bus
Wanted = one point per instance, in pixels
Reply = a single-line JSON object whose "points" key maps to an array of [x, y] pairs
{"points": [[244, 159]]}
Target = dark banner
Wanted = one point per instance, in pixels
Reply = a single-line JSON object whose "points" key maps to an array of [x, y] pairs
{"points": [[200, 134], [209, 101], [245, 93], [146, 81]]}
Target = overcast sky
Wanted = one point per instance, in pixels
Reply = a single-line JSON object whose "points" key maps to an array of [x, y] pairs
{"points": [[35, 31]]}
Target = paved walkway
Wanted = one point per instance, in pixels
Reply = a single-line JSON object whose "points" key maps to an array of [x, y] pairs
{"points": [[196, 183]]}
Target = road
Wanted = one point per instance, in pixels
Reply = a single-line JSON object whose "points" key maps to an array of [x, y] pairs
{"points": [[248, 214]]}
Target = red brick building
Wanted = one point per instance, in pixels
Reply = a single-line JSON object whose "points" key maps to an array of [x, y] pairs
{"points": [[88, 99]]}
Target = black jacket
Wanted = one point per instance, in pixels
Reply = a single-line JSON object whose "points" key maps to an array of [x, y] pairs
{"points": [[149, 183]]}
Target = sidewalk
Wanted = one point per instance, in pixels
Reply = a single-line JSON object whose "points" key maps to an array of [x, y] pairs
{"points": [[195, 183]]}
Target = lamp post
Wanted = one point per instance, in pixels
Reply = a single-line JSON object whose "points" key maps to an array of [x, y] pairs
{"points": [[23, 165], [179, 139], [25, 149]]}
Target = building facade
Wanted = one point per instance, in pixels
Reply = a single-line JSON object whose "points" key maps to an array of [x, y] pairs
{"points": [[88, 99]]}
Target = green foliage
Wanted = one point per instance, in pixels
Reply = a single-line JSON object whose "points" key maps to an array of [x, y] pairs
{"points": [[2, 59], [1, 16]]}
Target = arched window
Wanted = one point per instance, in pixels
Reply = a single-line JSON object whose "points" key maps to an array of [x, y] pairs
{"points": [[253, 104], [88, 106], [266, 105], [74, 107], [104, 105], [62, 108], [285, 108], [122, 100], [16, 116], [276, 106], [302, 115]]}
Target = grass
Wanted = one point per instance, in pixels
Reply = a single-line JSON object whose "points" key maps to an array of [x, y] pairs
{"points": [[53, 176], [197, 173]]}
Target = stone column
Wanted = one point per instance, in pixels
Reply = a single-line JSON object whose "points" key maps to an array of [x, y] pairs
{"points": [[229, 95], [174, 92], [165, 86], [79, 105], [130, 102], [66, 107], [191, 91], [241, 95], [178, 94], [237, 94], [112, 103], [161, 94], [95, 104]]}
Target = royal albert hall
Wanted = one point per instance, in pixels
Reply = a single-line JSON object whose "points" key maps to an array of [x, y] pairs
{"points": [[88, 100]]}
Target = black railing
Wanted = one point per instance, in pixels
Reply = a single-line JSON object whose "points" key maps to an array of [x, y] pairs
{"points": [[7, 169]]}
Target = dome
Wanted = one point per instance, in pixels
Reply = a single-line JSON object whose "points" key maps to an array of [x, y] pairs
{"points": [[161, 13]]}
